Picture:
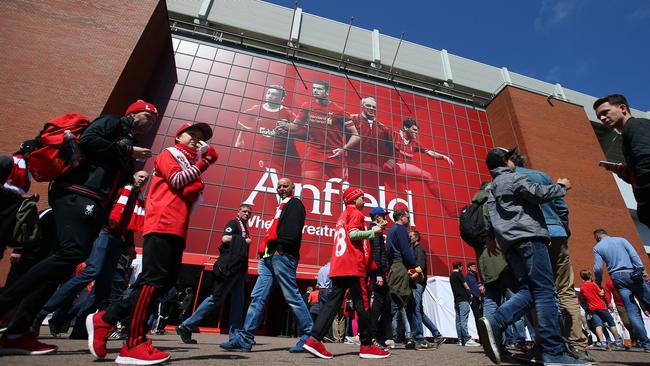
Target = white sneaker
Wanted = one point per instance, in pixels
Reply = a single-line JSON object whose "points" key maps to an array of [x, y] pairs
{"points": [[390, 343], [472, 343]]}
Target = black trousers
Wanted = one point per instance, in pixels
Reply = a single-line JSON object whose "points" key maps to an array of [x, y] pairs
{"points": [[380, 314], [78, 221], [356, 286], [161, 262]]}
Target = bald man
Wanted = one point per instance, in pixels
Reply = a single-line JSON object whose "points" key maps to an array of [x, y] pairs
{"points": [[279, 253]]}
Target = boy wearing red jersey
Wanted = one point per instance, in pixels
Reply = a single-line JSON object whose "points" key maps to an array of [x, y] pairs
{"points": [[327, 125], [350, 261], [592, 295], [175, 190]]}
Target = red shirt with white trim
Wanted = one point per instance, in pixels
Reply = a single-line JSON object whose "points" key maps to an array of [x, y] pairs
{"points": [[167, 211], [326, 126], [405, 149], [376, 142], [348, 257], [263, 122]]}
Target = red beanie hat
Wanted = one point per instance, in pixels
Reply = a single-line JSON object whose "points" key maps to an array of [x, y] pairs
{"points": [[351, 194], [142, 106]]}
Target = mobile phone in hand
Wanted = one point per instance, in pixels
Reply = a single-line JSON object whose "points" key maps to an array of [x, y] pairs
{"points": [[607, 164]]}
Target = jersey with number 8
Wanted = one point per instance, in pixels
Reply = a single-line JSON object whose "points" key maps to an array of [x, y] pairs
{"points": [[348, 257]]}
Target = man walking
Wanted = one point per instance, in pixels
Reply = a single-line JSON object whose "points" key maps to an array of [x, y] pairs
{"points": [[421, 319], [626, 271], [556, 217], [462, 297], [229, 273], [280, 250], [518, 226], [79, 200]]}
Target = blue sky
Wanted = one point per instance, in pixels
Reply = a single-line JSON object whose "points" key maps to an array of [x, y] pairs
{"points": [[596, 47]]}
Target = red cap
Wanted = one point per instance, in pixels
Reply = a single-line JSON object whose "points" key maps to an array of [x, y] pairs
{"points": [[351, 194], [203, 127], [142, 106]]}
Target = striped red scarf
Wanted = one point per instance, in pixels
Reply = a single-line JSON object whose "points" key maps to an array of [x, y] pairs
{"points": [[127, 212], [272, 232], [19, 178]]}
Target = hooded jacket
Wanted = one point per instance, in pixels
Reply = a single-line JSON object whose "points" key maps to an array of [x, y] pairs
{"points": [[513, 206]]}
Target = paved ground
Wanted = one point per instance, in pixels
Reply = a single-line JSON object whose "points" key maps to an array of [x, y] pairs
{"points": [[274, 351]]}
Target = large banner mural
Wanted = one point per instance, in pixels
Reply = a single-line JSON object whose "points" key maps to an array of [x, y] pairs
{"points": [[325, 131]]}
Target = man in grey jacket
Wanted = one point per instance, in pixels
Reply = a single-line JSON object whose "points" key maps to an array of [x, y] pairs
{"points": [[519, 228]]}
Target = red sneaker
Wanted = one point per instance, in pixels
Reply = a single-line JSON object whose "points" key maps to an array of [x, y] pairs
{"points": [[98, 332], [317, 348], [373, 351], [142, 354], [25, 344]]}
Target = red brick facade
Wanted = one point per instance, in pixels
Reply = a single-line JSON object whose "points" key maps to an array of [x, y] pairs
{"points": [[558, 139], [73, 56]]}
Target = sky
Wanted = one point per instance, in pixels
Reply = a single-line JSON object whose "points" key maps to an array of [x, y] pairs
{"points": [[596, 47]]}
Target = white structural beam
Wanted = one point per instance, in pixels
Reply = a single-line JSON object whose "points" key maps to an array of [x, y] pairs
{"points": [[376, 51], [295, 27]]}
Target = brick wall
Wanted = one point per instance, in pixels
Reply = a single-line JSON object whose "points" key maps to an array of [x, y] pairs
{"points": [[73, 56], [558, 139]]}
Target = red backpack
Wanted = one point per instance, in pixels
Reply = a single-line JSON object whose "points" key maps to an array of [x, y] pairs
{"points": [[48, 158]]}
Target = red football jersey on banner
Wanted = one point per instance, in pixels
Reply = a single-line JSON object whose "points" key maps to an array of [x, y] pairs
{"points": [[263, 121], [376, 145], [405, 149], [348, 257], [326, 126]]}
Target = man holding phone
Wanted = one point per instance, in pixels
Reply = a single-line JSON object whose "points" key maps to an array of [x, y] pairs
{"points": [[614, 112]]}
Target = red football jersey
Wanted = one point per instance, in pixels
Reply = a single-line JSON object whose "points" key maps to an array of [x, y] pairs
{"points": [[405, 149], [376, 145], [348, 257], [262, 137], [326, 126], [167, 212]]}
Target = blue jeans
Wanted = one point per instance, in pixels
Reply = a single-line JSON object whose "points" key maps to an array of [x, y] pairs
{"points": [[281, 269], [100, 267], [419, 317], [462, 316], [629, 289], [531, 265], [495, 292], [401, 313], [235, 287]]}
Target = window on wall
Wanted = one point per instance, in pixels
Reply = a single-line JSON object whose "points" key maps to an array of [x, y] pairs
{"points": [[272, 119]]}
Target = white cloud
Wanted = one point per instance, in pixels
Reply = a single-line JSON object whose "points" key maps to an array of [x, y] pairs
{"points": [[553, 12]]}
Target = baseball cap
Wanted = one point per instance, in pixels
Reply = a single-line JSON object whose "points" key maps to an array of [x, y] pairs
{"points": [[498, 157], [142, 106], [203, 127], [377, 211]]}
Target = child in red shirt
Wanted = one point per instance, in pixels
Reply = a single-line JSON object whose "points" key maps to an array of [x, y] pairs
{"points": [[592, 294], [348, 272], [175, 191]]}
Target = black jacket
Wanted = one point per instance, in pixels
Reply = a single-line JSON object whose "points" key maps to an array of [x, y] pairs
{"points": [[292, 220], [107, 144], [379, 254], [421, 258], [636, 150]]}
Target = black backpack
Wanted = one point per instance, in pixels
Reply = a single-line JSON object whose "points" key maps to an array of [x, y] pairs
{"points": [[472, 225]]}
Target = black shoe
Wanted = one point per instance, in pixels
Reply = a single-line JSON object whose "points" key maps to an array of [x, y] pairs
{"points": [[186, 334], [410, 344], [491, 337], [581, 355]]}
